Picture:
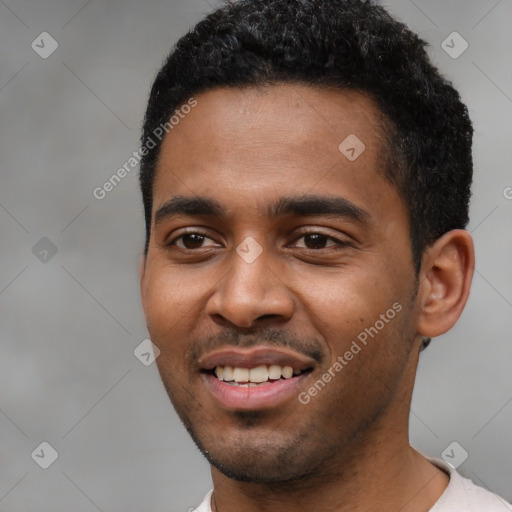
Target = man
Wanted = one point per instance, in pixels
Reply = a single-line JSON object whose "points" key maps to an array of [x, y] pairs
{"points": [[306, 178]]}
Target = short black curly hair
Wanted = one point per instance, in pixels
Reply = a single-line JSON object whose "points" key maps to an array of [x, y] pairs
{"points": [[350, 45]]}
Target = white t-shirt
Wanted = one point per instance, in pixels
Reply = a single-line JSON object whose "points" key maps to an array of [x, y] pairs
{"points": [[461, 495]]}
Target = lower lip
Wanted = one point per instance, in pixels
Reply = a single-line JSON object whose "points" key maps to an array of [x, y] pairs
{"points": [[246, 398]]}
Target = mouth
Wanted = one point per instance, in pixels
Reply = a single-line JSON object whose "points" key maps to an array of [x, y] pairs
{"points": [[258, 378], [262, 375]]}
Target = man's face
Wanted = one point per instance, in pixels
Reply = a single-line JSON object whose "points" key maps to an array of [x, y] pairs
{"points": [[250, 285]]}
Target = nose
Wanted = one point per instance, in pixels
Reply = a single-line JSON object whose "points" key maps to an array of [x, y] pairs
{"points": [[250, 292]]}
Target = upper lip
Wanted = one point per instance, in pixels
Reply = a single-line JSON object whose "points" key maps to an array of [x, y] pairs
{"points": [[253, 357]]}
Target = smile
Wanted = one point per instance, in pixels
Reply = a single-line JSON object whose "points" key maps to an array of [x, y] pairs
{"points": [[256, 378], [259, 376]]}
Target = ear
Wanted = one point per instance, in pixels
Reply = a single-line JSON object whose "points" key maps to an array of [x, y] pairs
{"points": [[445, 281]]}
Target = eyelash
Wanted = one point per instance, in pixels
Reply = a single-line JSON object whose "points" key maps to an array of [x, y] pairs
{"points": [[340, 243]]}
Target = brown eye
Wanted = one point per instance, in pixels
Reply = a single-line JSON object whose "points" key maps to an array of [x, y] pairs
{"points": [[317, 241], [190, 241]]}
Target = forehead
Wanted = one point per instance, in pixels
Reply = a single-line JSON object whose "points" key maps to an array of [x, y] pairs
{"points": [[247, 144]]}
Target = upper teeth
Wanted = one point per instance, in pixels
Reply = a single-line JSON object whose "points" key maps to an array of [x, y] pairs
{"points": [[258, 374]]}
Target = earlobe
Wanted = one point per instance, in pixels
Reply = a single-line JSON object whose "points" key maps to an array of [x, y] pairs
{"points": [[445, 281]]}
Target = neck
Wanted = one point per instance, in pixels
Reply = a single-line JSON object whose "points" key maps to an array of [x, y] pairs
{"points": [[378, 471]]}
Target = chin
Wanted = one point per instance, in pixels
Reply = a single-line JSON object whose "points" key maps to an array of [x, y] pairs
{"points": [[262, 472], [259, 462]]}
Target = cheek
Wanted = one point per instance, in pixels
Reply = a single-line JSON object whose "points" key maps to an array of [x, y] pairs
{"points": [[171, 303], [169, 319], [346, 300], [362, 317]]}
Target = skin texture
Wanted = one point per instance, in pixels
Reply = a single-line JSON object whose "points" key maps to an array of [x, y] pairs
{"points": [[348, 448]]}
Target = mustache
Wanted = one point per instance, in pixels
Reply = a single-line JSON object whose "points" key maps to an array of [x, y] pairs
{"points": [[267, 336]]}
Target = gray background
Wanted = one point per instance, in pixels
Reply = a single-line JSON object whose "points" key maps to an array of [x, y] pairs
{"points": [[69, 325]]}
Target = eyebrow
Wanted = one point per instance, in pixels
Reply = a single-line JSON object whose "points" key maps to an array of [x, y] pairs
{"points": [[305, 206]]}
